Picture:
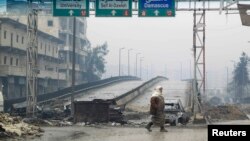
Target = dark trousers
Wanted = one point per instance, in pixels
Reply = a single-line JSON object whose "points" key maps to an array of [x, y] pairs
{"points": [[151, 123]]}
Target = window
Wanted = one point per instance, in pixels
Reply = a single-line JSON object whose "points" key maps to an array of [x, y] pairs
{"points": [[5, 34], [45, 48], [22, 40], [11, 61], [5, 60], [41, 45], [50, 23], [49, 48], [17, 38], [11, 39], [16, 62]]}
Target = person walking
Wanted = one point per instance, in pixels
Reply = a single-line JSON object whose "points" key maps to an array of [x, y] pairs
{"points": [[157, 105]]}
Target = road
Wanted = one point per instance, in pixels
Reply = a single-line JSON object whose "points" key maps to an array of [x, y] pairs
{"points": [[171, 90], [110, 91], [77, 133]]}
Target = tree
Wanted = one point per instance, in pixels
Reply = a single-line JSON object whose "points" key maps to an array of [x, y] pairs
{"points": [[95, 62], [240, 78]]}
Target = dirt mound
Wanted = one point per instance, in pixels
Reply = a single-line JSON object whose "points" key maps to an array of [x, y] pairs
{"points": [[245, 108], [14, 126], [225, 112]]}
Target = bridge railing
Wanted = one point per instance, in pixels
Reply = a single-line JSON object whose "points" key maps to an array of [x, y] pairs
{"points": [[125, 98], [66, 92]]}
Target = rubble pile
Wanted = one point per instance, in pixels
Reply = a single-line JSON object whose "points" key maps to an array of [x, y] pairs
{"points": [[245, 108], [225, 112], [14, 126]]}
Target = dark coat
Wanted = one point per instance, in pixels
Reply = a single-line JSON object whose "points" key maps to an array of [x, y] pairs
{"points": [[157, 106]]}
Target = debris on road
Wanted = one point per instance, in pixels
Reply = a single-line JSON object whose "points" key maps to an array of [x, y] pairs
{"points": [[15, 126], [43, 122], [245, 108], [97, 111], [225, 112]]}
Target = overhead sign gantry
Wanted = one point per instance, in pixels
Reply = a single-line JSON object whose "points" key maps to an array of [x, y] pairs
{"points": [[71, 8], [156, 8], [113, 8]]}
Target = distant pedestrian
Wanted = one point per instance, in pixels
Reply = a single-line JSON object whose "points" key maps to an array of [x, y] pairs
{"points": [[157, 105]]}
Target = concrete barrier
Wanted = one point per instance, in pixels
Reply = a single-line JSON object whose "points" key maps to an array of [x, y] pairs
{"points": [[66, 92]]}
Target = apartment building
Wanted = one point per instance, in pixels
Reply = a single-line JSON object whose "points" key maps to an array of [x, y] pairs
{"points": [[13, 44]]}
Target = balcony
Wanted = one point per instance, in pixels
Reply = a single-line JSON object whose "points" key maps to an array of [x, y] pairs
{"points": [[52, 75], [6, 70], [69, 66]]}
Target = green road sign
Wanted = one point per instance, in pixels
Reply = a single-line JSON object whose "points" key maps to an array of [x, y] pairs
{"points": [[113, 8], [71, 8], [156, 8]]}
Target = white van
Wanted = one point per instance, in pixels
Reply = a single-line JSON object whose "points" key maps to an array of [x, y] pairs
{"points": [[1, 101]]}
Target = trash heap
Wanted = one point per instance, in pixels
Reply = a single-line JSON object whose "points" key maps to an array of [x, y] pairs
{"points": [[245, 108], [225, 112], [14, 126]]}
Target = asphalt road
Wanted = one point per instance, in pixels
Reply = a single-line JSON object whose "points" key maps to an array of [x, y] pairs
{"points": [[77, 133], [110, 91], [171, 90]]}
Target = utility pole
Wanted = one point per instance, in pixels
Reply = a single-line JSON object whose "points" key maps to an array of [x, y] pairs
{"points": [[234, 83], [227, 80], [136, 63], [73, 67], [166, 70], [129, 61], [120, 49], [141, 59], [147, 71], [31, 62], [190, 69], [181, 70]]}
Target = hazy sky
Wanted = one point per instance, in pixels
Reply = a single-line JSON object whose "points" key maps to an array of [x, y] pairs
{"points": [[166, 43]]}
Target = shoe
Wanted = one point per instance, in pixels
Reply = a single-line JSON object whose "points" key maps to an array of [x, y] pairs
{"points": [[148, 128], [163, 130]]}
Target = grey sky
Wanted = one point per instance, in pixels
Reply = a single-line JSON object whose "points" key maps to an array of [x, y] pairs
{"points": [[167, 42]]}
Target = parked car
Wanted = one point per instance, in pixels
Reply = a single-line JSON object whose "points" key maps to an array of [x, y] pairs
{"points": [[175, 112]]}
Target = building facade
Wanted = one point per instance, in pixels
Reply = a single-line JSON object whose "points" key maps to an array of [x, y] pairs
{"points": [[13, 44], [55, 40], [62, 27], [81, 43]]}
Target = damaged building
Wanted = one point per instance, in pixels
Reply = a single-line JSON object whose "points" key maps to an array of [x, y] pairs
{"points": [[13, 43], [54, 54]]}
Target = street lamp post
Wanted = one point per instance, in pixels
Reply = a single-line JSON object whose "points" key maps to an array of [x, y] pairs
{"points": [[141, 59], [136, 63], [120, 60], [227, 81], [233, 80], [129, 62], [181, 71], [73, 67]]}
